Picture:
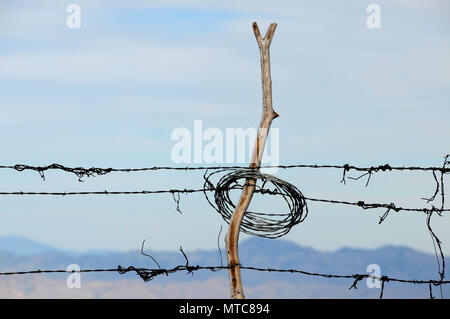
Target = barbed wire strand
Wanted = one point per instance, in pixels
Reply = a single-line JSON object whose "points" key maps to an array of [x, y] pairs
{"points": [[360, 203], [148, 274], [81, 172]]}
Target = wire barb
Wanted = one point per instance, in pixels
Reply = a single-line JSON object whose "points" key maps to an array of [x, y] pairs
{"points": [[218, 245], [147, 255], [177, 201]]}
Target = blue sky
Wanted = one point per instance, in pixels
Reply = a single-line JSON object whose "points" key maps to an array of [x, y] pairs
{"points": [[111, 93]]}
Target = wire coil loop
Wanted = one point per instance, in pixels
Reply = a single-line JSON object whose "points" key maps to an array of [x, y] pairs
{"points": [[269, 225]]}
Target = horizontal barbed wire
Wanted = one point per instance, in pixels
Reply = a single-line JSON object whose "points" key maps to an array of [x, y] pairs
{"points": [[92, 171], [189, 269], [360, 203], [148, 274]]}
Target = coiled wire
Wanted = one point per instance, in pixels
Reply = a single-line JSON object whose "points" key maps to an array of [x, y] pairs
{"points": [[269, 225]]}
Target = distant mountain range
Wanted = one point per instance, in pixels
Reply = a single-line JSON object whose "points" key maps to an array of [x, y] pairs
{"points": [[23, 254], [23, 246]]}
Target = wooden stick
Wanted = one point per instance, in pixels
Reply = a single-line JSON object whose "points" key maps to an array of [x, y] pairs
{"points": [[232, 237]]}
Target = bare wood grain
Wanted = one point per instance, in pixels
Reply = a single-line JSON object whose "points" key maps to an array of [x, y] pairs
{"points": [[232, 237]]}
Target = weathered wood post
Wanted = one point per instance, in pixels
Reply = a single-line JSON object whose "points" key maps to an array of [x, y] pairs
{"points": [[268, 114]]}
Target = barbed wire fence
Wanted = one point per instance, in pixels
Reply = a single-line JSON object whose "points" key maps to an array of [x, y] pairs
{"points": [[261, 224]]}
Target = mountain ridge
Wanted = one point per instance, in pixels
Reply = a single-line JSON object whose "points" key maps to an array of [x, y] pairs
{"points": [[394, 261]]}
